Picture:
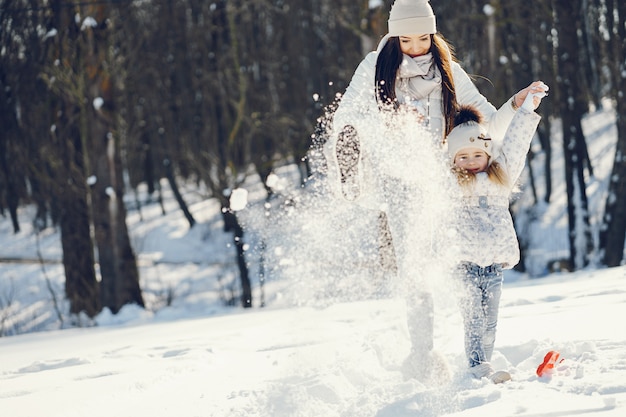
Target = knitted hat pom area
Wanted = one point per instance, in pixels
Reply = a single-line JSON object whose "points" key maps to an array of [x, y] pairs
{"points": [[467, 113], [468, 132]]}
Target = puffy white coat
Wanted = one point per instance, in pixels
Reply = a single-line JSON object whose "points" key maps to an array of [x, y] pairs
{"points": [[485, 231], [358, 107]]}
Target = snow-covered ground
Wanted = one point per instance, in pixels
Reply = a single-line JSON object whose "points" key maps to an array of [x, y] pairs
{"points": [[322, 346], [342, 360]]}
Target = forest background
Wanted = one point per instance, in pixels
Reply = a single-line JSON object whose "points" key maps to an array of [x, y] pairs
{"points": [[99, 97]]}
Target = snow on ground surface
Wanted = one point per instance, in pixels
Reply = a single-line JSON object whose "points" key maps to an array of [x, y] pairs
{"points": [[341, 360]]}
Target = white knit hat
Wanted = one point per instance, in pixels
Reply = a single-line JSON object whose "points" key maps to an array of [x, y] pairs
{"points": [[411, 17], [468, 133]]}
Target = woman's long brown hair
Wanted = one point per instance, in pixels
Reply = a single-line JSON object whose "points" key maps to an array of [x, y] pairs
{"points": [[388, 62]]}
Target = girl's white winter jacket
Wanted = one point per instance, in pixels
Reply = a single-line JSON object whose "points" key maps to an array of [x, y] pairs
{"points": [[485, 233], [358, 107]]}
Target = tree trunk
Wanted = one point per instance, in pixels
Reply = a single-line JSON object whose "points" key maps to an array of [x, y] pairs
{"points": [[148, 164], [572, 108], [169, 173], [543, 133], [613, 232], [10, 191], [81, 286], [231, 224], [9, 132], [67, 162], [118, 266]]}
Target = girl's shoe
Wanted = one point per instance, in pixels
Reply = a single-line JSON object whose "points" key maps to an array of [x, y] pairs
{"points": [[498, 377], [485, 370]]}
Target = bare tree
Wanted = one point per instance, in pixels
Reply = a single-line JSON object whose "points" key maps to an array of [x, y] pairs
{"points": [[16, 31], [613, 230], [118, 266], [68, 160], [572, 107]]}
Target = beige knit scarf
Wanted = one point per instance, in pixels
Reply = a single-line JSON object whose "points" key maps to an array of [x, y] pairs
{"points": [[417, 77]]}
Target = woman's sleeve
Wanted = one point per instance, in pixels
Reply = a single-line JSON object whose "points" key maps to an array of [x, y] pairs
{"points": [[496, 120], [357, 108], [359, 100]]}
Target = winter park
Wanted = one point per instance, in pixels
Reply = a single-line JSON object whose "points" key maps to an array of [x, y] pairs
{"points": [[295, 208]]}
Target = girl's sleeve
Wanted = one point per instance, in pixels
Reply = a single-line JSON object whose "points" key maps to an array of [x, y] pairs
{"points": [[496, 120], [517, 141]]}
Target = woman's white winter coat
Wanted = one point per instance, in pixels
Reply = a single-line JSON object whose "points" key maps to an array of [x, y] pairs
{"points": [[358, 107]]}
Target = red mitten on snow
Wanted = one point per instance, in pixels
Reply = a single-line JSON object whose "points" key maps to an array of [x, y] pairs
{"points": [[549, 361]]}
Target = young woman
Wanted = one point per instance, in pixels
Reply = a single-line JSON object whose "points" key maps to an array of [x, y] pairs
{"points": [[486, 238], [399, 106]]}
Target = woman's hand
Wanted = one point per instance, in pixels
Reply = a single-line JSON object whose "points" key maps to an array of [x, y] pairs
{"points": [[537, 88]]}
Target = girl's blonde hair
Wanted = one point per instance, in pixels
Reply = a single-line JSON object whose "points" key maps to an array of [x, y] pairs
{"points": [[495, 172]]}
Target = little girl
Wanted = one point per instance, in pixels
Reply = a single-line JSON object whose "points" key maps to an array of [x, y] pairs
{"points": [[487, 240]]}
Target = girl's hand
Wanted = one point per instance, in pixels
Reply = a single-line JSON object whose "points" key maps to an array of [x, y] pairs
{"points": [[537, 88]]}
